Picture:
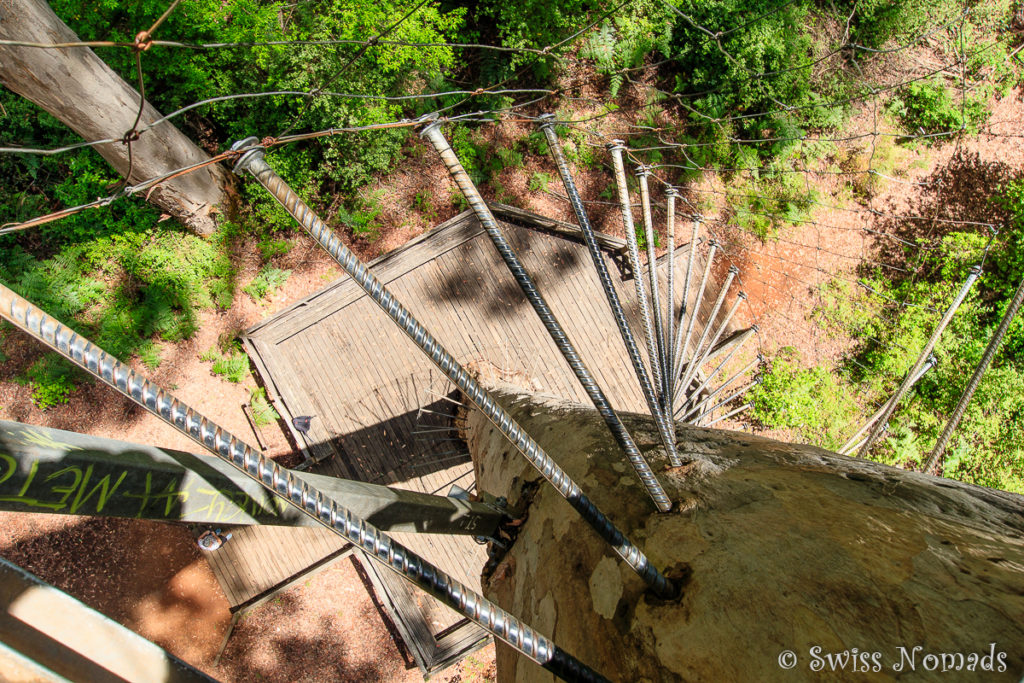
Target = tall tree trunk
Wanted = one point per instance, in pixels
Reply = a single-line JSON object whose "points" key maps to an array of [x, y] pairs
{"points": [[77, 87], [790, 554]]}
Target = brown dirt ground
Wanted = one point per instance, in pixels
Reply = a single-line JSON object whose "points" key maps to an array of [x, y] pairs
{"points": [[151, 577]]}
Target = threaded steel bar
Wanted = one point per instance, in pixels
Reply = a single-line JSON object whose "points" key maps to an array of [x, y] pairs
{"points": [[661, 419], [856, 438], [925, 352], [740, 297], [860, 443], [677, 346], [745, 406], [934, 463], [254, 163], [652, 273], [728, 399], [432, 132], [713, 247], [746, 368], [694, 396], [695, 363], [670, 304], [285, 485], [615, 148]]}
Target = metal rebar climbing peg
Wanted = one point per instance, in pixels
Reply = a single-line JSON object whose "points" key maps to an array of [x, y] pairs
{"points": [[712, 248], [284, 484], [663, 421], [615, 148], [697, 360], [671, 194], [432, 132], [254, 163], [684, 309], [855, 440], [642, 173]]}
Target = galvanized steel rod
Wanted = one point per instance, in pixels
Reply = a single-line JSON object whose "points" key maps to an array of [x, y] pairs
{"points": [[745, 406], [254, 163], [284, 484], [740, 297], [854, 440], [746, 368], [432, 132], [934, 463], [684, 309], [925, 352], [728, 399], [713, 247], [670, 304], [661, 418], [707, 380], [860, 443], [694, 364], [615, 148], [652, 274]]}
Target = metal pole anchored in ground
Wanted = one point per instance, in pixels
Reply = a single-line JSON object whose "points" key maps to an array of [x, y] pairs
{"points": [[935, 460], [855, 440], [284, 484], [253, 162], [925, 352]]}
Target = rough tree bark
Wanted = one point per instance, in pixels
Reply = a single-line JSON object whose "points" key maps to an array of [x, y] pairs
{"points": [[77, 87], [785, 548]]}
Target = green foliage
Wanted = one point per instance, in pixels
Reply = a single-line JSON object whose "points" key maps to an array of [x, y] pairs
{"points": [[424, 203], [233, 367], [807, 400], [271, 248], [361, 219], [930, 107], [52, 380], [538, 181], [481, 160], [266, 282], [149, 354], [263, 413], [986, 449], [623, 43]]}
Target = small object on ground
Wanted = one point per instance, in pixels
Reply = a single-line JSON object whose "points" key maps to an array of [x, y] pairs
{"points": [[212, 540], [302, 423]]}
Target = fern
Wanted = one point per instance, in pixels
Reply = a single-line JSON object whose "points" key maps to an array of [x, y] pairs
{"points": [[266, 282], [233, 368], [263, 413]]}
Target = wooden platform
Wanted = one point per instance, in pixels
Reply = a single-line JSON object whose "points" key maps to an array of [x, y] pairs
{"points": [[383, 411]]}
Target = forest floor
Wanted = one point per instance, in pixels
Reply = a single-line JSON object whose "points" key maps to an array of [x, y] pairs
{"points": [[152, 578]]}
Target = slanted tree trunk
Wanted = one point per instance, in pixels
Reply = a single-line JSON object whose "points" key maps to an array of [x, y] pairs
{"points": [[75, 86], [786, 549]]}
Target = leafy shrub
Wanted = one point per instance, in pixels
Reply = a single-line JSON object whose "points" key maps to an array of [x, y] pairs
{"points": [[929, 107], [807, 400], [52, 380], [271, 248], [266, 282]]}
